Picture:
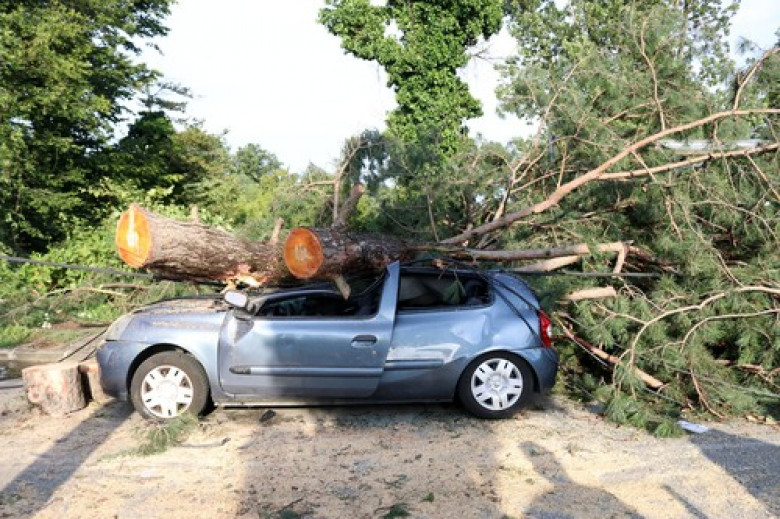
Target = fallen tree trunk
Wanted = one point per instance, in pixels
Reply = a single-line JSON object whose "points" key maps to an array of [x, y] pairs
{"points": [[192, 251], [327, 253]]}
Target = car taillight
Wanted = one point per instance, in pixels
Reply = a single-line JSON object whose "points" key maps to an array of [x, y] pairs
{"points": [[545, 329]]}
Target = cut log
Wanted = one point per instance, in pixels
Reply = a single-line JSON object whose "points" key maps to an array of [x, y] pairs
{"points": [[55, 388], [192, 251], [327, 253], [548, 265], [591, 293], [90, 381]]}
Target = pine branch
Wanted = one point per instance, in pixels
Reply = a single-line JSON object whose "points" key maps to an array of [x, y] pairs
{"points": [[752, 72], [625, 175], [580, 249], [595, 174]]}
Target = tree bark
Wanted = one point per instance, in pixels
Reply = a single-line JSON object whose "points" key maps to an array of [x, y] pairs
{"points": [[192, 251], [55, 388], [327, 253]]}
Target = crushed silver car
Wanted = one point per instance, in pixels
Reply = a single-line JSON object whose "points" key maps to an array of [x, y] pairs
{"points": [[415, 334]]}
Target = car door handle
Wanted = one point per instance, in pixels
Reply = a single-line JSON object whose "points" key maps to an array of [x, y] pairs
{"points": [[363, 341]]}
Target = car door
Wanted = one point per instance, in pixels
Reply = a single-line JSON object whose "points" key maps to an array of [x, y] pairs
{"points": [[307, 357]]}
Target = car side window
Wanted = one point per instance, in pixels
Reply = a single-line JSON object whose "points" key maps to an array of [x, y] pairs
{"points": [[427, 291], [321, 304]]}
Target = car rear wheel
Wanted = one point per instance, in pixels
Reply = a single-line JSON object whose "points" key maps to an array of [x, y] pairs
{"points": [[168, 384], [496, 385]]}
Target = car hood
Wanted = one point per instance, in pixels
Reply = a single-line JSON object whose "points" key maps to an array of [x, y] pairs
{"points": [[169, 321], [205, 305]]}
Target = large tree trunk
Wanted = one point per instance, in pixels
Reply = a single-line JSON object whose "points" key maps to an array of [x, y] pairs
{"points": [[327, 253], [192, 251]]}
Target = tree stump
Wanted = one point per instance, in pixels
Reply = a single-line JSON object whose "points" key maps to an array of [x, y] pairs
{"points": [[90, 381], [55, 388]]}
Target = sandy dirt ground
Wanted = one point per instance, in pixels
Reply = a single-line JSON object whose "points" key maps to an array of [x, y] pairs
{"points": [[558, 460]]}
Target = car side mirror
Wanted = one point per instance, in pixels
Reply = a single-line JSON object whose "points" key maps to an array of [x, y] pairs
{"points": [[237, 299]]}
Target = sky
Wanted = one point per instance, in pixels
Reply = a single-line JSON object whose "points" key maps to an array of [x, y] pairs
{"points": [[265, 72]]}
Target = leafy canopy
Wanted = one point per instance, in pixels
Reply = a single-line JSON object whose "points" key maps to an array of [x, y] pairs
{"points": [[421, 45], [66, 69]]}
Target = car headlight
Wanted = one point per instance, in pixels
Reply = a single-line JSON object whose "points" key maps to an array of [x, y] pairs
{"points": [[117, 328]]}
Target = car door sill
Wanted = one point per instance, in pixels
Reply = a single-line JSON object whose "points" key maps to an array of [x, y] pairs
{"points": [[295, 371]]}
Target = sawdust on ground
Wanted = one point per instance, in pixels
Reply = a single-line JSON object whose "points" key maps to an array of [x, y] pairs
{"points": [[557, 460]]}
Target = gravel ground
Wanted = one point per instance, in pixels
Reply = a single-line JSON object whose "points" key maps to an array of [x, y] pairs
{"points": [[556, 461]]}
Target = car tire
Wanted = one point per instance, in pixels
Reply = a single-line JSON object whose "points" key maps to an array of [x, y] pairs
{"points": [[496, 385], [168, 384]]}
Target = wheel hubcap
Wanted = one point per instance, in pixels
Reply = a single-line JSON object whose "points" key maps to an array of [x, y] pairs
{"points": [[496, 384], [166, 391]]}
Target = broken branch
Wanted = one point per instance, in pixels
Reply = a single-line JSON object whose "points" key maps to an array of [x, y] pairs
{"points": [[594, 174]]}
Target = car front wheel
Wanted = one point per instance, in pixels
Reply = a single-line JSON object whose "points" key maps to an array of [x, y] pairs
{"points": [[168, 384], [496, 385]]}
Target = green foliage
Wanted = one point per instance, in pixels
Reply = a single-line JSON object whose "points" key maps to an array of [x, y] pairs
{"points": [[668, 428], [252, 207], [397, 510], [156, 159], [13, 335], [159, 437], [67, 69], [421, 45], [600, 77], [32, 296], [550, 33], [254, 162]]}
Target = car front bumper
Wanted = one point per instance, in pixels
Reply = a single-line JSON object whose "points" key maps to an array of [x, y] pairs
{"points": [[115, 359]]}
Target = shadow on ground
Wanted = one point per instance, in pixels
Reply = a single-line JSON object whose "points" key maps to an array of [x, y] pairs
{"points": [[753, 463], [589, 501], [60, 462]]}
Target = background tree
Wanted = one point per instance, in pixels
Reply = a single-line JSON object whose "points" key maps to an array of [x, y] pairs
{"points": [[254, 162], [421, 45], [66, 69]]}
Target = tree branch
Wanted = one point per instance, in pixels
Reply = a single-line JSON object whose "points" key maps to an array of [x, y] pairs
{"points": [[756, 66], [625, 175], [580, 249], [597, 173], [349, 205]]}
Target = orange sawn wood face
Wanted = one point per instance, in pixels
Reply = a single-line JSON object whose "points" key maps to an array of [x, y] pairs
{"points": [[303, 253], [133, 239]]}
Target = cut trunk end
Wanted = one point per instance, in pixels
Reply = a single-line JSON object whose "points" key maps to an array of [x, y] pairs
{"points": [[327, 253], [303, 254], [133, 239]]}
